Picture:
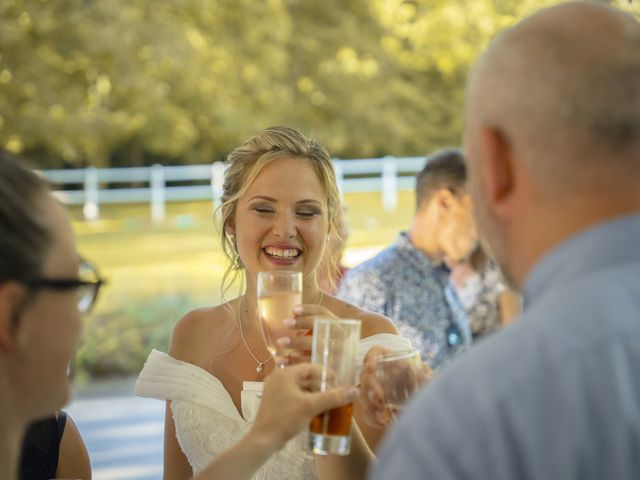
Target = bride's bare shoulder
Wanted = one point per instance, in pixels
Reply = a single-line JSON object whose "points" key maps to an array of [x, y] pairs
{"points": [[201, 331], [372, 323]]}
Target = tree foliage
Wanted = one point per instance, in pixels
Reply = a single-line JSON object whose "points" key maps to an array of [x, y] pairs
{"points": [[131, 83]]}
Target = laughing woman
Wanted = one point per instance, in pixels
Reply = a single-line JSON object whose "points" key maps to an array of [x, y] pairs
{"points": [[279, 207]]}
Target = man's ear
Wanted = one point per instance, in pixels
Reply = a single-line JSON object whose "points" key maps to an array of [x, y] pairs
{"points": [[12, 296], [444, 198], [498, 167]]}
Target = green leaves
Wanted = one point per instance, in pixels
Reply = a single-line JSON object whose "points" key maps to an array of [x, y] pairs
{"points": [[127, 83]]}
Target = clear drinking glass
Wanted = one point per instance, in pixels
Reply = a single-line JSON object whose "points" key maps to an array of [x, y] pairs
{"points": [[278, 292], [334, 347], [399, 376]]}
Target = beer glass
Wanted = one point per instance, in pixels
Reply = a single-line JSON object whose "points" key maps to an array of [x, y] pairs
{"points": [[334, 347], [399, 376], [278, 292]]}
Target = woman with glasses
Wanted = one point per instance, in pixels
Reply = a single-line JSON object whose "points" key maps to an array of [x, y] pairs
{"points": [[41, 298], [52, 446], [44, 288]]}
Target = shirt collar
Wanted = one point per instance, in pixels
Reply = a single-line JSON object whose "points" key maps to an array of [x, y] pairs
{"points": [[409, 250], [596, 248]]}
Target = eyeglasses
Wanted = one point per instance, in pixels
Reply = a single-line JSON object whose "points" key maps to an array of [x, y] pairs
{"points": [[87, 285]]}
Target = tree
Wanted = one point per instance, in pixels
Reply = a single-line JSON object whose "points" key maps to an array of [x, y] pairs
{"points": [[132, 83]]}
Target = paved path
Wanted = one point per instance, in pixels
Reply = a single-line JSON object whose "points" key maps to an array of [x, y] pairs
{"points": [[123, 433]]}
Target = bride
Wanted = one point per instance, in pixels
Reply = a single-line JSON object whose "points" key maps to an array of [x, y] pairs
{"points": [[279, 208]]}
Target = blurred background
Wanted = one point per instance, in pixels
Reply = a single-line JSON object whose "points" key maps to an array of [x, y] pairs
{"points": [[87, 83]]}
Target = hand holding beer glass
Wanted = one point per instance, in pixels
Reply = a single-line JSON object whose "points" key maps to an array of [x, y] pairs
{"points": [[278, 292], [399, 375], [383, 391], [334, 348]]}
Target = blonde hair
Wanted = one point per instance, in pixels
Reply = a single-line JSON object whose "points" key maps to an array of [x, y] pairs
{"points": [[246, 162]]}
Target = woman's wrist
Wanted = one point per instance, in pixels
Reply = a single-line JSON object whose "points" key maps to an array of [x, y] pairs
{"points": [[262, 441]]}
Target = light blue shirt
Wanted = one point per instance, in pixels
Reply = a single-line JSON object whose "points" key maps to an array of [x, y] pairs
{"points": [[405, 286], [554, 396]]}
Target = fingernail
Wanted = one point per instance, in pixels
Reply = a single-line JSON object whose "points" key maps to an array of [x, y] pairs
{"points": [[372, 396], [297, 309], [289, 322], [284, 341]]}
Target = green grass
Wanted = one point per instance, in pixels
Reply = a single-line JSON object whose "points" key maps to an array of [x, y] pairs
{"points": [[158, 272]]}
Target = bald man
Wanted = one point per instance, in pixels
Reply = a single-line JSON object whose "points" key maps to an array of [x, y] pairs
{"points": [[553, 147]]}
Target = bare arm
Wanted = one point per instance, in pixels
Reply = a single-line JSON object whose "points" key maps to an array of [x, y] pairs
{"points": [[73, 458], [176, 465]]}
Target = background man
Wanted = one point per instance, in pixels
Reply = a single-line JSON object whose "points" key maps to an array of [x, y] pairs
{"points": [[409, 281]]}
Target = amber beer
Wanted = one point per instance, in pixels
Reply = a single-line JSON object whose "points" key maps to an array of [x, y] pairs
{"points": [[333, 422]]}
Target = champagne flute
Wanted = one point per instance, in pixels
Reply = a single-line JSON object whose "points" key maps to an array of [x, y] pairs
{"points": [[399, 374], [278, 292]]}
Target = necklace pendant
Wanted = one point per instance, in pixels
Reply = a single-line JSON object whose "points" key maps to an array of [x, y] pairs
{"points": [[259, 368]]}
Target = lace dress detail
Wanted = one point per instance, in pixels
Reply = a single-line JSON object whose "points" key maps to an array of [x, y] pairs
{"points": [[207, 421]]}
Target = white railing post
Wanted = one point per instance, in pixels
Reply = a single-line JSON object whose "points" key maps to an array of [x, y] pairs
{"points": [[217, 182], [389, 183], [157, 194], [91, 208], [337, 167]]}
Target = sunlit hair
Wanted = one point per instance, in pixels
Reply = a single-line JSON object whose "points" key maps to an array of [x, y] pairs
{"points": [[443, 169], [246, 162], [329, 275], [24, 239]]}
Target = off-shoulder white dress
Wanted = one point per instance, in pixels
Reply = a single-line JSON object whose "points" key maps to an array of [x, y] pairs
{"points": [[207, 421]]}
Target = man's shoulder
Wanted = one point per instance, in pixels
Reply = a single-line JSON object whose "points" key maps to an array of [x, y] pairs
{"points": [[385, 257], [376, 266]]}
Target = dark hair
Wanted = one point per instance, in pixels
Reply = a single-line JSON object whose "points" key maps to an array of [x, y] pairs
{"points": [[443, 169], [24, 239]]}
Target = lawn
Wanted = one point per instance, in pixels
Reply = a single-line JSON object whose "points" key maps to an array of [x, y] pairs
{"points": [[158, 272]]}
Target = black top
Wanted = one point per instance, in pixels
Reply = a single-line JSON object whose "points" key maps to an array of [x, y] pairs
{"points": [[39, 457]]}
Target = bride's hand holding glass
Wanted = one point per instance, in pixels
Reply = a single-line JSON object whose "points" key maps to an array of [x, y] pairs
{"points": [[278, 293], [300, 330]]}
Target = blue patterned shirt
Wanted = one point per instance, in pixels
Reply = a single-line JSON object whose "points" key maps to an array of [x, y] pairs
{"points": [[404, 285]]}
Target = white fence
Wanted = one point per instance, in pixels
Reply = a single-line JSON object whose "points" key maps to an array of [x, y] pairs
{"points": [[92, 187]]}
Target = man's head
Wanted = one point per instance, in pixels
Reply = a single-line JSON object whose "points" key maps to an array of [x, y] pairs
{"points": [[553, 130], [444, 225]]}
